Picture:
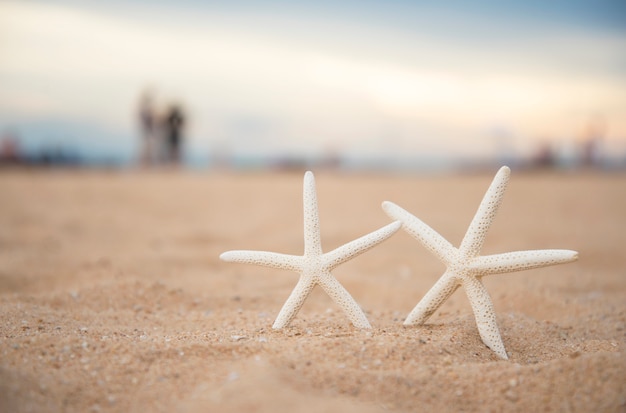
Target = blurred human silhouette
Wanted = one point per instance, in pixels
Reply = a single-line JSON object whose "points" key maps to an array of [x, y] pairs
{"points": [[9, 149], [147, 124], [544, 156], [173, 130], [591, 141]]}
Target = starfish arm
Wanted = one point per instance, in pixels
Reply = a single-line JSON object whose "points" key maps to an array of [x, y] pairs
{"points": [[485, 315], [477, 231], [437, 295], [520, 260], [293, 304], [342, 297], [264, 258], [360, 245], [312, 238], [429, 238]]}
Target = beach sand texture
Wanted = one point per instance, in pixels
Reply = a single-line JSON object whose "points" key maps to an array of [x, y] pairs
{"points": [[113, 298]]}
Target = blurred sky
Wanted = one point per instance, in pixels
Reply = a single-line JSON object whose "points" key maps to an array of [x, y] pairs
{"points": [[403, 78]]}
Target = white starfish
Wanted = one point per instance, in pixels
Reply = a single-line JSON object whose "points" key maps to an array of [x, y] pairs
{"points": [[314, 266], [465, 267]]}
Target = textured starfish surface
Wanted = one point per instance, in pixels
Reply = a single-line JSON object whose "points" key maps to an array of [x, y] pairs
{"points": [[465, 267], [314, 266]]}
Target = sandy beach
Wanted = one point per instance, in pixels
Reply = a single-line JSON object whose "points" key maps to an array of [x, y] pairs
{"points": [[113, 297]]}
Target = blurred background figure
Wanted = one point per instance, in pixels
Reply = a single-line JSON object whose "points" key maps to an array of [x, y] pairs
{"points": [[592, 138], [173, 124], [9, 149], [147, 125], [544, 156]]}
